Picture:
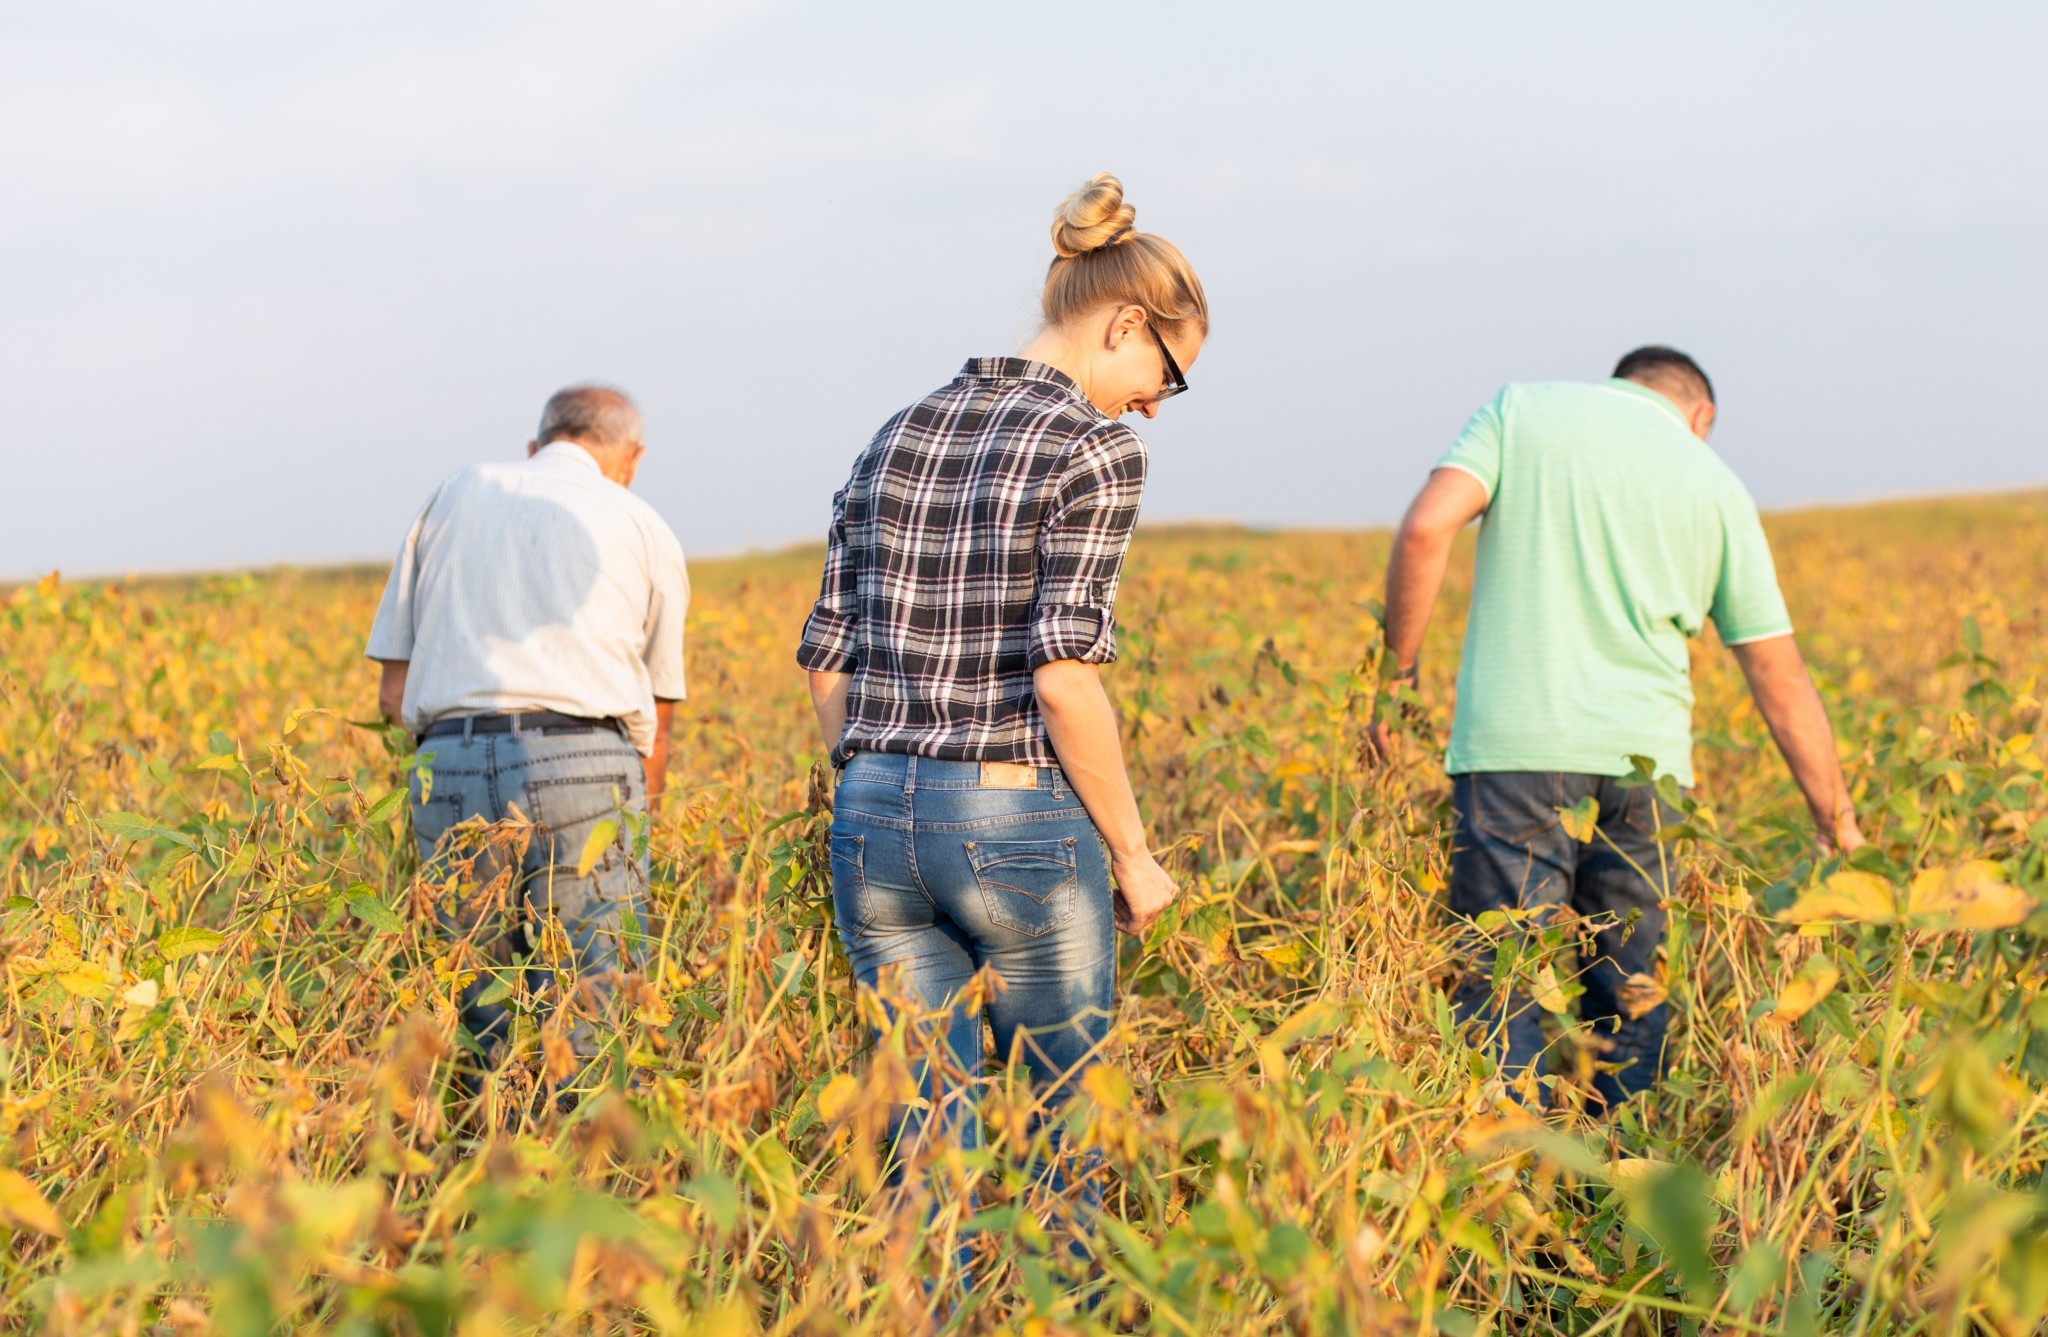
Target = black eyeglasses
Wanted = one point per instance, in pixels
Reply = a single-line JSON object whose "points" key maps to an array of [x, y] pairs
{"points": [[1176, 384]]}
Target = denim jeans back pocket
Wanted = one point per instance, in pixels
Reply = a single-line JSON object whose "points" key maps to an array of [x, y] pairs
{"points": [[1028, 886], [850, 881], [1511, 806]]}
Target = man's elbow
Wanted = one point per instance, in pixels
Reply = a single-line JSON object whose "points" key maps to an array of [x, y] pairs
{"points": [[1423, 536]]}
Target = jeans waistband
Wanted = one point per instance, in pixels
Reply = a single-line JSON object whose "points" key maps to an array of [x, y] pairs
{"points": [[914, 773]]}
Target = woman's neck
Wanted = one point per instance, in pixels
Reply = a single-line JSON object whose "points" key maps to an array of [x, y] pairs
{"points": [[1056, 350]]}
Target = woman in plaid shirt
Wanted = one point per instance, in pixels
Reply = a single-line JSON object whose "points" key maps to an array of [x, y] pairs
{"points": [[967, 601]]}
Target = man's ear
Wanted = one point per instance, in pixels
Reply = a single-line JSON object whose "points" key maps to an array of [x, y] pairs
{"points": [[532, 449], [1701, 419]]}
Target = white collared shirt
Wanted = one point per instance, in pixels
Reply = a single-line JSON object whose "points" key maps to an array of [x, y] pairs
{"points": [[537, 585]]}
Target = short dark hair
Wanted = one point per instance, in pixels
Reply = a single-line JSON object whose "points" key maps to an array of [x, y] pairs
{"points": [[1655, 361]]}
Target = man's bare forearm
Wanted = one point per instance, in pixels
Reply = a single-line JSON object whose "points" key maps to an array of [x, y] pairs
{"points": [[1449, 501], [655, 763], [1798, 720], [1415, 576], [391, 689], [1082, 725]]}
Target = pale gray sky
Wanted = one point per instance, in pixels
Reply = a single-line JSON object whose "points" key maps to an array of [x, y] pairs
{"points": [[268, 272]]}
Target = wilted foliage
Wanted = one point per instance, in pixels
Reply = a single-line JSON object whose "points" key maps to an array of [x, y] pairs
{"points": [[225, 1087]]}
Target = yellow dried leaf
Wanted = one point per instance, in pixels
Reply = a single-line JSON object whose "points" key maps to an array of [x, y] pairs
{"points": [[601, 837], [143, 993], [1862, 898], [1111, 1089], [1549, 994], [1629, 1171], [1293, 847], [837, 1099], [86, 982], [1969, 896], [23, 1206], [1640, 994], [1816, 980]]}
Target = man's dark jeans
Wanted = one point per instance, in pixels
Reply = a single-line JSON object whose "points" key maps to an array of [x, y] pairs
{"points": [[1511, 851]]}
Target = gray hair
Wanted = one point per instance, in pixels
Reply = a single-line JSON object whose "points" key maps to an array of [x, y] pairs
{"points": [[595, 415]]}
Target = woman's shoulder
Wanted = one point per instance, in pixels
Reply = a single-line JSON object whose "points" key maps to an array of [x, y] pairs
{"points": [[1109, 444]]}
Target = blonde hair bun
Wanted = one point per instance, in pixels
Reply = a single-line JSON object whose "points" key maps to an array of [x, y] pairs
{"points": [[1092, 217]]}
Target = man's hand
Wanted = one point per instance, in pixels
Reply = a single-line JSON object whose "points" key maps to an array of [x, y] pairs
{"points": [[1843, 838], [1382, 744], [1143, 891]]}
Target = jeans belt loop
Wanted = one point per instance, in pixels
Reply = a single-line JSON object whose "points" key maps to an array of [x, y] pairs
{"points": [[468, 729], [1059, 783], [910, 774]]}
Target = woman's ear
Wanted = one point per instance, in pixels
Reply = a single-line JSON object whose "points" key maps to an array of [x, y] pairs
{"points": [[1123, 323]]}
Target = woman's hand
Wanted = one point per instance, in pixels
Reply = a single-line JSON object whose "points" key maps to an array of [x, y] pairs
{"points": [[1143, 891]]}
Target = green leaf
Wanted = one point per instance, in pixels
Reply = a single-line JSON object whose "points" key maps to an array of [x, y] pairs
{"points": [[601, 837], [375, 913], [131, 826], [791, 969], [717, 1195], [175, 944], [1673, 1209], [1285, 1252], [1581, 820], [384, 807]]}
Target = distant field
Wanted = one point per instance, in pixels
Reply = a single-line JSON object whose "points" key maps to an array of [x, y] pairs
{"points": [[228, 1026]]}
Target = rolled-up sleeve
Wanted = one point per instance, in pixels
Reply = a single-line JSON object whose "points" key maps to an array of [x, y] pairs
{"points": [[1086, 532], [668, 605], [831, 641]]}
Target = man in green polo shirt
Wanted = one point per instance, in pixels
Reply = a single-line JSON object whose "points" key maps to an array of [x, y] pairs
{"points": [[1611, 535]]}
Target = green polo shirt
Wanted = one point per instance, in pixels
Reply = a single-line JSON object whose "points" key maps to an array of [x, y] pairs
{"points": [[1611, 534]]}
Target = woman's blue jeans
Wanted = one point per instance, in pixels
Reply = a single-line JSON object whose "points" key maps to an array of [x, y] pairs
{"points": [[940, 868]]}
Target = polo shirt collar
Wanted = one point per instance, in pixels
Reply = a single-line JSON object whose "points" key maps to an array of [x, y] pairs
{"points": [[1641, 391], [568, 452], [1020, 369]]}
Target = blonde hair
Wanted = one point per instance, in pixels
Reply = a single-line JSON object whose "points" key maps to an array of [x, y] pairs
{"points": [[1102, 259]]}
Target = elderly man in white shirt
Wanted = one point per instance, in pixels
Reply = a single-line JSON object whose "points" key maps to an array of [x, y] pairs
{"points": [[531, 637]]}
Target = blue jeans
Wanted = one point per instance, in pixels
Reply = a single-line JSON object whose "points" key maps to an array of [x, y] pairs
{"points": [[940, 876], [502, 895], [1510, 851]]}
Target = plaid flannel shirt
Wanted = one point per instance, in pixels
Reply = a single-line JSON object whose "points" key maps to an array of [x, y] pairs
{"points": [[981, 535]]}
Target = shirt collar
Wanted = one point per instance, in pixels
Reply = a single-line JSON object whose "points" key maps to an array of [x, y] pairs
{"points": [[1020, 369], [568, 452], [1641, 391]]}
